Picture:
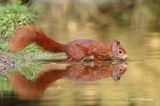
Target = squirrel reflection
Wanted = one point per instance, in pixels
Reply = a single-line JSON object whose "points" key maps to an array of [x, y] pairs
{"points": [[28, 89]]}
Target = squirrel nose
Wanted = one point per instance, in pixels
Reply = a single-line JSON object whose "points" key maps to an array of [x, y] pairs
{"points": [[125, 66], [117, 78], [125, 57]]}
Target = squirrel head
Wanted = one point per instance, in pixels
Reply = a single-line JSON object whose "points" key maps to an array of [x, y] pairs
{"points": [[119, 70], [118, 50]]}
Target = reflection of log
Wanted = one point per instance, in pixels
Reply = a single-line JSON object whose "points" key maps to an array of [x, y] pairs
{"points": [[6, 63], [6, 59], [60, 59], [64, 59]]}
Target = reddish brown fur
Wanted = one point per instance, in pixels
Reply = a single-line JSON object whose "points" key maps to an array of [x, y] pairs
{"points": [[29, 34], [78, 72], [75, 50]]}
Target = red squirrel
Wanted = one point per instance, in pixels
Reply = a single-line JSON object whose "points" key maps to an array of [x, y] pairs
{"points": [[80, 73], [75, 50]]}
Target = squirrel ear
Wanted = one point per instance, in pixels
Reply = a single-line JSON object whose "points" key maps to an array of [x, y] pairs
{"points": [[115, 43]]}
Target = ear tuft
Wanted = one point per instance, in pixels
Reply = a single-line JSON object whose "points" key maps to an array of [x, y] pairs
{"points": [[115, 43]]}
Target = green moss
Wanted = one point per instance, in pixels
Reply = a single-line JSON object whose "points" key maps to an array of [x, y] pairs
{"points": [[13, 16]]}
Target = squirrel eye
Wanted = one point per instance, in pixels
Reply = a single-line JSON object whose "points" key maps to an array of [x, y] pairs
{"points": [[120, 51], [120, 70]]}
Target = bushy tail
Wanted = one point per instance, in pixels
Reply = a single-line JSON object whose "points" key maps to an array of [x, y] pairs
{"points": [[28, 34], [27, 89]]}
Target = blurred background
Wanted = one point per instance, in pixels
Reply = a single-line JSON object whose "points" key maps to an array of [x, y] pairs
{"points": [[135, 23], [103, 15], [73, 19]]}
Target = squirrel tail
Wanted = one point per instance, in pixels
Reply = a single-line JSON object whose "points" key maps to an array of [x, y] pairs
{"points": [[29, 34]]}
